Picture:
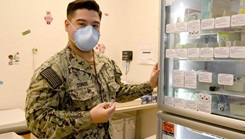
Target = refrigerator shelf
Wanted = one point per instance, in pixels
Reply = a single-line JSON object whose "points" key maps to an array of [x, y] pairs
{"points": [[223, 92], [214, 31], [229, 60], [227, 113]]}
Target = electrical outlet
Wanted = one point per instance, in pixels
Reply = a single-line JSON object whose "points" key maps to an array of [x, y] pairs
{"points": [[34, 50]]}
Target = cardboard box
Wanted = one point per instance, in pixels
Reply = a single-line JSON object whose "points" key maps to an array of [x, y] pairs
{"points": [[192, 14]]}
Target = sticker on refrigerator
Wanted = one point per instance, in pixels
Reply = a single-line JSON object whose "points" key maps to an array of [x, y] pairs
{"points": [[194, 29], [205, 77], [181, 27], [167, 130], [237, 52], [169, 2], [191, 104], [222, 22], [181, 53], [179, 78], [207, 52], [225, 79], [170, 53], [169, 100], [204, 102], [207, 23], [221, 52], [179, 102], [191, 79], [170, 28], [238, 20], [193, 52]]}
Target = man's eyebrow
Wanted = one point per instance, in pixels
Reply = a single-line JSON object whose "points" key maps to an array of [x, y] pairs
{"points": [[81, 20], [96, 22]]}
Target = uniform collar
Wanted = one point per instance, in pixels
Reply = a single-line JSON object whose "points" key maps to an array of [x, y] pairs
{"points": [[99, 61]]}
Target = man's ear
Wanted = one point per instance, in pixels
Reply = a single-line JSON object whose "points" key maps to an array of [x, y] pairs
{"points": [[67, 24]]}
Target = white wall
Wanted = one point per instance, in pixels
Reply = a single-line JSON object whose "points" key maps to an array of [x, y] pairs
{"points": [[129, 24], [141, 27]]}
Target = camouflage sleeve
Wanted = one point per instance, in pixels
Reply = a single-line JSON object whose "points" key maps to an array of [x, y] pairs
{"points": [[128, 92], [43, 116]]}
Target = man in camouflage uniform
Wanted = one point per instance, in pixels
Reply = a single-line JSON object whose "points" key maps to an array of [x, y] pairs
{"points": [[69, 93]]}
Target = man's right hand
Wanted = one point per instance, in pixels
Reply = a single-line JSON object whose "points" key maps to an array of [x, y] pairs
{"points": [[102, 112]]}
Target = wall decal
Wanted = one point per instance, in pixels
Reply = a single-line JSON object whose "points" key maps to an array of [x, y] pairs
{"points": [[26, 32], [100, 48], [14, 59], [48, 18]]}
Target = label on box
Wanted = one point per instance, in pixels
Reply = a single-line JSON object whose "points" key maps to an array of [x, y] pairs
{"points": [[170, 53], [225, 79], [191, 79], [205, 77], [181, 27], [193, 52], [169, 100], [237, 52], [179, 102], [221, 52], [179, 78], [207, 52], [194, 25], [169, 2], [192, 105], [222, 22], [171, 28], [168, 130], [181, 53], [207, 23], [194, 29], [204, 102], [238, 20]]}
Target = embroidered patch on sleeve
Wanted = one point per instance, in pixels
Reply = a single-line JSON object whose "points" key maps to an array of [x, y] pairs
{"points": [[51, 77]]}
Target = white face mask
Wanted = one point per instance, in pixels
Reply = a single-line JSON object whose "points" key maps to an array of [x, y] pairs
{"points": [[85, 38]]}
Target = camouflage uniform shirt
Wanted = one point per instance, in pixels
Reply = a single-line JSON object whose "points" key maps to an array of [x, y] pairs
{"points": [[65, 88]]}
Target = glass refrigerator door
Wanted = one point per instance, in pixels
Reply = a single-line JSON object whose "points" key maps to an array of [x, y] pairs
{"points": [[202, 60], [175, 127]]}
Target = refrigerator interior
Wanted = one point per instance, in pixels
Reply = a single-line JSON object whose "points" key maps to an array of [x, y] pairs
{"points": [[202, 69]]}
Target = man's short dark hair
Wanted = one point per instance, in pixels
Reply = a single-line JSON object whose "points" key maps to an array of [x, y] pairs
{"points": [[82, 4]]}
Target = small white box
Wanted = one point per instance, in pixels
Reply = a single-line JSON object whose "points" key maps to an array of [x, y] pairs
{"points": [[10, 135]]}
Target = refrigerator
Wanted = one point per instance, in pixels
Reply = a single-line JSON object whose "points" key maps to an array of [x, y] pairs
{"points": [[201, 90]]}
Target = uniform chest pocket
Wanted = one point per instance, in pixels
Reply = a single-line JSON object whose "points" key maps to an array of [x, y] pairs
{"points": [[83, 92]]}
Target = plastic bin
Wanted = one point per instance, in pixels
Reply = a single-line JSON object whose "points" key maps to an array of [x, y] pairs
{"points": [[129, 126], [128, 122], [116, 128]]}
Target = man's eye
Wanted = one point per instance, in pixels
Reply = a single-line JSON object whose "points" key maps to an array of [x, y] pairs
{"points": [[82, 24], [95, 26]]}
